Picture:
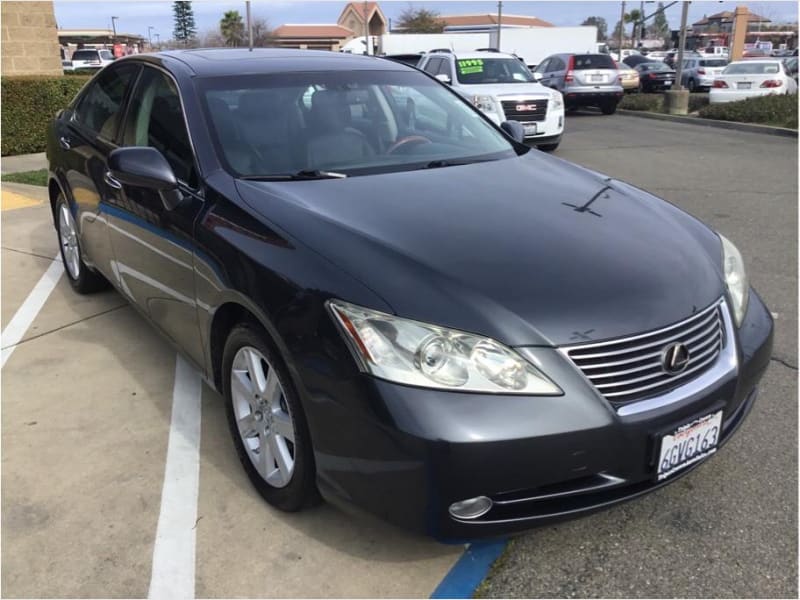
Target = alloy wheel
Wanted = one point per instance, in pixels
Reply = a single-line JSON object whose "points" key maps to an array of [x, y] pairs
{"points": [[263, 416], [69, 241]]}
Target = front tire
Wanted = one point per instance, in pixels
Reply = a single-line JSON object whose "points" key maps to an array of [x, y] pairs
{"points": [[267, 421], [81, 277]]}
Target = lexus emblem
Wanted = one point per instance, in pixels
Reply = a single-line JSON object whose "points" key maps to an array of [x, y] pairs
{"points": [[525, 107], [675, 358]]}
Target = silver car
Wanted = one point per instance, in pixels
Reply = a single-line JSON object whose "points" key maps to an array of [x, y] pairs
{"points": [[699, 73], [583, 79]]}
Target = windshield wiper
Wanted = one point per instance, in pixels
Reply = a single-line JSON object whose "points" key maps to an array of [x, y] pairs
{"points": [[438, 164], [304, 174]]}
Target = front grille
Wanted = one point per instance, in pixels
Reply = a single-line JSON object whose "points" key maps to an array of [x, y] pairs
{"points": [[520, 110], [631, 368]]}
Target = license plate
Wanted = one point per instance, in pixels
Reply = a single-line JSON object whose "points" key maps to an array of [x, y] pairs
{"points": [[529, 128], [597, 78], [744, 86], [668, 81], [688, 444]]}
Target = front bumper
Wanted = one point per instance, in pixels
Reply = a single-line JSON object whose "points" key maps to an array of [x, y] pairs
{"points": [[405, 454], [552, 126]]}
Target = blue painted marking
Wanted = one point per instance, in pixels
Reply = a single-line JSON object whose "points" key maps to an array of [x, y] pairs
{"points": [[469, 571]]}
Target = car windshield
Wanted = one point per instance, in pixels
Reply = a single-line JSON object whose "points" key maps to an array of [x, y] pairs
{"points": [[308, 124], [492, 70], [85, 55], [582, 62], [752, 68], [654, 66]]}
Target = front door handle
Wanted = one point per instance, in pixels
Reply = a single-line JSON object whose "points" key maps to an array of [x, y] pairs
{"points": [[64, 142], [111, 182]]}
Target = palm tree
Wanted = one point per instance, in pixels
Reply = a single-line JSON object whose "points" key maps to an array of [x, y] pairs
{"points": [[634, 17], [232, 28]]}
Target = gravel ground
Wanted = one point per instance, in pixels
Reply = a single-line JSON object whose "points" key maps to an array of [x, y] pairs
{"points": [[728, 529]]}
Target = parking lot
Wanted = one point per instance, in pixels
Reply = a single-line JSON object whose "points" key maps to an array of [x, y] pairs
{"points": [[88, 396]]}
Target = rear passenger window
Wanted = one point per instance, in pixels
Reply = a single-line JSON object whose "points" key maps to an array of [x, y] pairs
{"points": [[99, 108], [433, 65], [556, 64]]}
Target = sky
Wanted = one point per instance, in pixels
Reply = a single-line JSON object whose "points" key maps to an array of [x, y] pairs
{"points": [[134, 16]]}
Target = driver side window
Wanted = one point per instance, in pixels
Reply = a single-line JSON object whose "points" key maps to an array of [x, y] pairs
{"points": [[155, 119]]}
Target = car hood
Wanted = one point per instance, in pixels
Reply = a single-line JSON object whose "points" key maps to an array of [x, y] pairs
{"points": [[530, 250], [508, 89]]}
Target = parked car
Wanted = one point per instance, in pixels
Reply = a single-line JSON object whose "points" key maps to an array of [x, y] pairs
{"points": [[656, 55], [756, 53], [637, 59], [66, 65], [751, 78], [655, 76], [502, 88], [698, 74], [583, 79], [672, 56], [790, 64], [425, 319], [629, 78], [412, 60], [91, 58]]}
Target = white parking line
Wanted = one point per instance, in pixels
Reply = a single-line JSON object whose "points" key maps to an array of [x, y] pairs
{"points": [[172, 575], [22, 319]]}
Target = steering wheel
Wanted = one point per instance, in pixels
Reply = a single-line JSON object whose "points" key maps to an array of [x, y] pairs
{"points": [[406, 141]]}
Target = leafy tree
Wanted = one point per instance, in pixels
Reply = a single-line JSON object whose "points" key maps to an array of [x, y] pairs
{"points": [[619, 30], [184, 30], [420, 21], [262, 33], [602, 27], [659, 28], [231, 27]]}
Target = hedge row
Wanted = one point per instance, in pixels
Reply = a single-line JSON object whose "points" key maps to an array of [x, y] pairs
{"points": [[655, 102], [29, 104], [780, 111]]}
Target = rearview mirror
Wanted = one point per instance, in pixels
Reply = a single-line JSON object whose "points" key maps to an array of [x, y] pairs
{"points": [[514, 129], [145, 167], [444, 78], [537, 76]]}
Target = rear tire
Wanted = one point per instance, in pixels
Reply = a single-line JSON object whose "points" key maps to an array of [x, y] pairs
{"points": [[609, 108], [692, 85], [82, 279], [267, 421]]}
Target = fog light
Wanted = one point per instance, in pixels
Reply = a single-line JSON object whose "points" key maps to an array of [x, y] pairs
{"points": [[472, 508]]}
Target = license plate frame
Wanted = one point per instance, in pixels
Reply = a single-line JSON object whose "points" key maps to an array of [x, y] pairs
{"points": [[688, 444], [744, 85], [530, 128], [597, 78]]}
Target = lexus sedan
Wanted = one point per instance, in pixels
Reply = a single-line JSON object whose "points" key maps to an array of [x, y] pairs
{"points": [[752, 78], [406, 310]]}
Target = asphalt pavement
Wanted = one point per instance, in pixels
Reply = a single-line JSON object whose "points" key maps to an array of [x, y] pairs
{"points": [[729, 528]]}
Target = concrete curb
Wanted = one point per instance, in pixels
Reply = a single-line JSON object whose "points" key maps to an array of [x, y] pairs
{"points": [[749, 127]]}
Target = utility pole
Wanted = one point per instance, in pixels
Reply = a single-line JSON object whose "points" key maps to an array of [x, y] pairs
{"points": [[249, 27], [114, 26], [621, 31], [367, 43], [681, 46], [149, 37], [641, 24], [499, 22]]}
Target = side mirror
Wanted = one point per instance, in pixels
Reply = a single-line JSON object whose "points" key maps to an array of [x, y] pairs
{"points": [[145, 167], [537, 76], [444, 78], [514, 129]]}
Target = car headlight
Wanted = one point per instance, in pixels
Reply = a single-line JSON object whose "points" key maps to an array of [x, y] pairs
{"points": [[484, 103], [414, 353], [557, 101], [735, 278]]}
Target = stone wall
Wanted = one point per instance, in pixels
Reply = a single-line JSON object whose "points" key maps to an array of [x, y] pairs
{"points": [[30, 39]]}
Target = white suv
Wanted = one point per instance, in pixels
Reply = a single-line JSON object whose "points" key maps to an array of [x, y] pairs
{"points": [[503, 88], [91, 58]]}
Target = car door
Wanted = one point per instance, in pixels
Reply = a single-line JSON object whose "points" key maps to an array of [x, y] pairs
{"points": [[85, 135], [153, 245], [556, 70]]}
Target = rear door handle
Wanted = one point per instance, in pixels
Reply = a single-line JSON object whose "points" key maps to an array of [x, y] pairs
{"points": [[113, 183], [64, 142]]}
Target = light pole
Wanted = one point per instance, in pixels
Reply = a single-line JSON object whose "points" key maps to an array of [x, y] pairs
{"points": [[499, 22], [621, 31], [158, 40], [149, 37], [114, 26]]}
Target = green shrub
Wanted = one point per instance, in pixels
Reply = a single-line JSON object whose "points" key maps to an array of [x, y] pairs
{"points": [[29, 105], [649, 102], [780, 111], [697, 101]]}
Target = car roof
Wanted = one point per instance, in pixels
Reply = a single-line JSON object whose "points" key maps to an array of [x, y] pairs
{"points": [[473, 55], [771, 61], [212, 62]]}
